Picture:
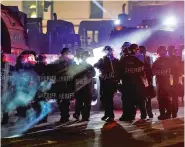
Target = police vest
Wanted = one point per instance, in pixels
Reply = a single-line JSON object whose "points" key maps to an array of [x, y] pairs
{"points": [[131, 66]]}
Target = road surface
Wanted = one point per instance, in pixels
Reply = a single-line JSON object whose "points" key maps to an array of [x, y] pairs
{"points": [[97, 133]]}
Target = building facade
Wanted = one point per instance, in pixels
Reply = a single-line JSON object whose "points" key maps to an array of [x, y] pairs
{"points": [[77, 11], [72, 11]]}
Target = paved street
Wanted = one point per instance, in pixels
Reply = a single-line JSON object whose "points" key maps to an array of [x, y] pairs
{"points": [[97, 133]]}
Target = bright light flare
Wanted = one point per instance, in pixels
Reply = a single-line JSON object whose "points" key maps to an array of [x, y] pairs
{"points": [[91, 60], [117, 22], [138, 36], [170, 21], [102, 8], [98, 54]]}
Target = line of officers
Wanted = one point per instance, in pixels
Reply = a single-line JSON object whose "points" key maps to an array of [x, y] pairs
{"points": [[132, 75]]}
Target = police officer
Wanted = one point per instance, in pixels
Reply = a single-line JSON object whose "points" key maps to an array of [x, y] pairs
{"points": [[63, 70], [176, 72], [124, 49], [25, 67], [131, 73], [108, 66], [162, 69], [148, 72], [84, 94], [41, 69]]}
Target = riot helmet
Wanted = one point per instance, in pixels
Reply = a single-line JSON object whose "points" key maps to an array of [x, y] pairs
{"points": [[28, 58], [126, 45], [85, 55], [133, 49], [124, 48], [65, 51], [66, 55], [161, 51]]}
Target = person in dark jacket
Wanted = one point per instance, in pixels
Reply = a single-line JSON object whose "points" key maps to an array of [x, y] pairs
{"points": [[148, 72], [83, 94], [64, 71], [41, 69], [176, 72], [133, 89], [162, 68], [24, 82], [109, 79]]}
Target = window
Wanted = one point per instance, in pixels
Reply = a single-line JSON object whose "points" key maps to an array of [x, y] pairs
{"points": [[92, 37], [33, 9], [96, 11]]}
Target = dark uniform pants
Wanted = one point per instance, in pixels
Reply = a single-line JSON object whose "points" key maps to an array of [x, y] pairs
{"points": [[174, 95], [83, 102], [64, 108], [128, 106], [107, 95], [164, 101], [131, 99]]}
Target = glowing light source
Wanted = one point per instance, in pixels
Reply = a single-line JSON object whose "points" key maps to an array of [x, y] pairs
{"points": [[98, 53], [119, 28], [170, 21], [117, 22]]}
